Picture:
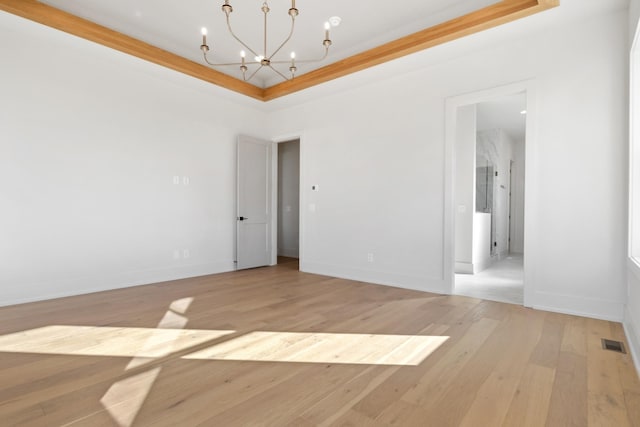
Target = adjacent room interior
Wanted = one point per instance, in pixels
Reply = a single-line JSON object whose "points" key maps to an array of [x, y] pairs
{"points": [[490, 198], [288, 153], [319, 213]]}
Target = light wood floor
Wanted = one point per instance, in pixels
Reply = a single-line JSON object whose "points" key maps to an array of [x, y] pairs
{"points": [[277, 347]]}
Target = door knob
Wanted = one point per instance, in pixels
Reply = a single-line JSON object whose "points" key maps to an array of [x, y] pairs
{"points": [[242, 218]]}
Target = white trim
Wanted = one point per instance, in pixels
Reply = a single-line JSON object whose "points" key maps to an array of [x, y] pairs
{"points": [[531, 186], [631, 324], [274, 196], [633, 338], [634, 123], [463, 268], [634, 266], [472, 267]]}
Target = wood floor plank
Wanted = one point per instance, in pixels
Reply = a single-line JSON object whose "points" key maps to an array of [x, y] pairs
{"points": [[530, 404], [305, 350], [444, 373], [574, 339], [494, 397], [569, 394], [548, 349]]}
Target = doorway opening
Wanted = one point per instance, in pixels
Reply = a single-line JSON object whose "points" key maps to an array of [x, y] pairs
{"points": [[489, 194], [288, 203]]}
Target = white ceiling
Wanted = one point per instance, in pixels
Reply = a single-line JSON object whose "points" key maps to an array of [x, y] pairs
{"points": [[175, 26], [504, 113]]}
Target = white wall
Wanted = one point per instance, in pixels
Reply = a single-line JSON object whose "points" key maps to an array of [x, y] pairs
{"points": [[465, 184], [90, 140], [289, 198], [377, 152]]}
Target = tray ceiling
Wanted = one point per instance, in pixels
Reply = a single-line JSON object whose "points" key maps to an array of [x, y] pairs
{"points": [[371, 32]]}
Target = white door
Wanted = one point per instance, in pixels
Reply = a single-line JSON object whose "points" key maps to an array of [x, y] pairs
{"points": [[253, 241]]}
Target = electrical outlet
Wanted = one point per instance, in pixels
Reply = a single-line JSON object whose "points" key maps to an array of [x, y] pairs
{"points": [[185, 253], [185, 180], [176, 180], [369, 257]]}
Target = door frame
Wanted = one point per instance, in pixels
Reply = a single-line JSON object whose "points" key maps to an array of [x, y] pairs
{"points": [[274, 196], [531, 190]]}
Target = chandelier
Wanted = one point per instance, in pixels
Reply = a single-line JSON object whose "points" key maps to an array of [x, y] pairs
{"points": [[264, 59]]}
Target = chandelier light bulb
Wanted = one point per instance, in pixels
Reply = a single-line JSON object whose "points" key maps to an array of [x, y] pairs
{"points": [[243, 54], [293, 67], [204, 38]]}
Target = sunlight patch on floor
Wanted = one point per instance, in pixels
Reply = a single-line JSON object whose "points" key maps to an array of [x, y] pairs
{"points": [[125, 398], [106, 341], [311, 347], [145, 345]]}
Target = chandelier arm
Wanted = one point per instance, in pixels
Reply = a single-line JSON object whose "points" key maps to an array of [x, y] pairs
{"points": [[238, 39], [293, 23], [281, 75], [226, 64], [309, 61], [254, 73]]}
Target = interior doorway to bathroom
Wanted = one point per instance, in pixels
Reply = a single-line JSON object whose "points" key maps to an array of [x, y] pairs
{"points": [[489, 198]]}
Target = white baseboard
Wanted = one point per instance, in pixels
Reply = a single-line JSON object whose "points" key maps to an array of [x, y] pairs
{"points": [[464, 268], [476, 267], [482, 265], [416, 283], [632, 332], [88, 285], [579, 306]]}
